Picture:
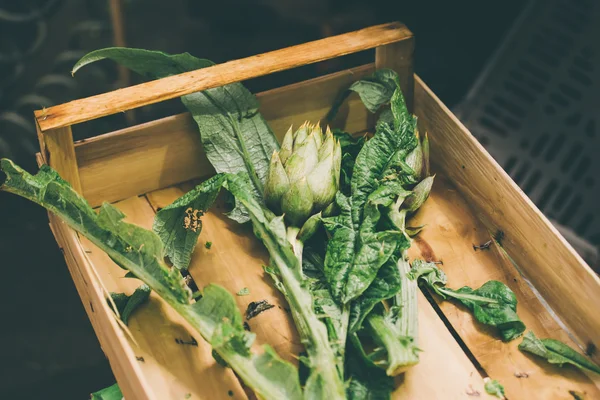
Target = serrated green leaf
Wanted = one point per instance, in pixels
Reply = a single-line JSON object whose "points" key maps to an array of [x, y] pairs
{"points": [[396, 329], [374, 91], [358, 249], [234, 135], [428, 272], [179, 224], [333, 314], [381, 158], [493, 304], [556, 352], [215, 316], [386, 285], [126, 305]]}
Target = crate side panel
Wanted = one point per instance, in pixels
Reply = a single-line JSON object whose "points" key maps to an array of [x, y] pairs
{"points": [[161, 153], [112, 339], [451, 232], [568, 284], [170, 370]]}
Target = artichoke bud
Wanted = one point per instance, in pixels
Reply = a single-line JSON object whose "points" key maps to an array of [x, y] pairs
{"points": [[297, 203], [277, 183], [318, 134], [322, 182], [287, 146], [302, 161], [330, 210], [304, 176], [415, 158], [301, 134], [309, 228], [419, 194], [328, 146]]}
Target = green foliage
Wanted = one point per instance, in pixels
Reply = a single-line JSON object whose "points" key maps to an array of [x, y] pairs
{"points": [[556, 352]]}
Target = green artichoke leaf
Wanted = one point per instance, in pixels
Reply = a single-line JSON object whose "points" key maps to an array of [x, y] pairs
{"points": [[386, 284], [365, 380], [374, 91], [358, 247], [234, 135], [215, 316], [126, 305], [556, 352], [492, 304], [179, 224]]}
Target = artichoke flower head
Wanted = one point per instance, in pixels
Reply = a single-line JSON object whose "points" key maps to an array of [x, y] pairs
{"points": [[304, 175]]}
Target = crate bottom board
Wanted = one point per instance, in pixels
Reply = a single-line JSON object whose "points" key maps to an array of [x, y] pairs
{"points": [[452, 364]]}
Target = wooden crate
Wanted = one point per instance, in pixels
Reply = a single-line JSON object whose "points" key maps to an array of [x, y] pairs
{"points": [[146, 167]]}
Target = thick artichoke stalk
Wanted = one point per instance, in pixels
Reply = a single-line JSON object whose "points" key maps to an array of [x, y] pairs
{"points": [[304, 175]]}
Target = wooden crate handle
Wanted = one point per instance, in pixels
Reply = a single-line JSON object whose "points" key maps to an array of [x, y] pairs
{"points": [[121, 100]]}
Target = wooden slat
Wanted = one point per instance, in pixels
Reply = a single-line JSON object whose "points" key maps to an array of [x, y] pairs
{"points": [[165, 152], [170, 370], [444, 371], [568, 285], [140, 159], [311, 100], [112, 339], [451, 231], [59, 153], [235, 261], [233, 71]]}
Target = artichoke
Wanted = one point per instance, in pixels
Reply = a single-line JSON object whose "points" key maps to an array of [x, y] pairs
{"points": [[304, 175]]}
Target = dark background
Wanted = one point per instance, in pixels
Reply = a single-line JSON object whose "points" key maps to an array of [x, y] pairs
{"points": [[47, 346]]}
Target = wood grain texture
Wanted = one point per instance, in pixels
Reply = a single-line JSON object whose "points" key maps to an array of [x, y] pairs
{"points": [[169, 370], [59, 152], [161, 153], [233, 71], [444, 371], [112, 339], [235, 261], [451, 231], [568, 284]]}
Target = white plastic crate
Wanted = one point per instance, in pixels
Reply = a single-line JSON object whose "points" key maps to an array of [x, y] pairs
{"points": [[535, 109]]}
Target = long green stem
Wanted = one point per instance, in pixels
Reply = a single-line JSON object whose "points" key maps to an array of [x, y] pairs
{"points": [[407, 301], [311, 329], [398, 331]]}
